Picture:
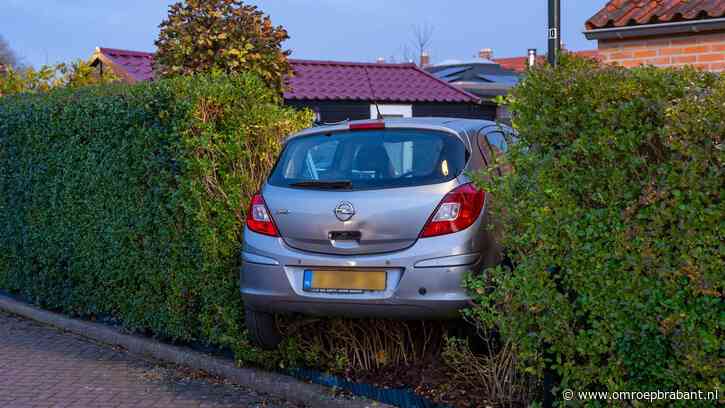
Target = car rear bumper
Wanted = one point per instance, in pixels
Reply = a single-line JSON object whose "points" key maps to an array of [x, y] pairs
{"points": [[401, 310], [268, 288], [423, 281]]}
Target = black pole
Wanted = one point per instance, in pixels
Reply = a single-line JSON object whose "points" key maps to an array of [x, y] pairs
{"points": [[554, 31]]}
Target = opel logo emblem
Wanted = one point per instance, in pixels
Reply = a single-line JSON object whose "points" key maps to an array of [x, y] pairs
{"points": [[344, 211]]}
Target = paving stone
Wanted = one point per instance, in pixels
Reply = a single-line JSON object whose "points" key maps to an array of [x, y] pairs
{"points": [[41, 366]]}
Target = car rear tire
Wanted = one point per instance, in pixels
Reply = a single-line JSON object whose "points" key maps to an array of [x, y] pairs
{"points": [[262, 329]]}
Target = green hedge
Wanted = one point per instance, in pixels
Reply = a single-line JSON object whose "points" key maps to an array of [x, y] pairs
{"points": [[614, 220], [129, 201]]}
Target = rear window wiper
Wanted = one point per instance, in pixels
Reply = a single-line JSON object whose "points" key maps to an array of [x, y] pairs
{"points": [[325, 184]]}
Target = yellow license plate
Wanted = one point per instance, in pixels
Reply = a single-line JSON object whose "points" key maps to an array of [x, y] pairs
{"points": [[344, 280]]}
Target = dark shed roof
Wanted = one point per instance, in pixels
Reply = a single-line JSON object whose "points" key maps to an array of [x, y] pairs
{"points": [[479, 76]]}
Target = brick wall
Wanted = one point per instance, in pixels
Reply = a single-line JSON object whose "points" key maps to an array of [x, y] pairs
{"points": [[706, 51]]}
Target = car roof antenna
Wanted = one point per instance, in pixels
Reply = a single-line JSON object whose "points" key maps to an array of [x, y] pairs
{"points": [[372, 93]]}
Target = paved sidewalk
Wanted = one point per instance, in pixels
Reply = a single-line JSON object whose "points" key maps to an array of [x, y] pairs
{"points": [[41, 366]]}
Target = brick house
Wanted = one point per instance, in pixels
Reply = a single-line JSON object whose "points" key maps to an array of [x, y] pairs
{"points": [[661, 32]]}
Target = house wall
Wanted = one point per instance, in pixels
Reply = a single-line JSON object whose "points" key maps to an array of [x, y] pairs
{"points": [[485, 110], [705, 51], [337, 111], [334, 111]]}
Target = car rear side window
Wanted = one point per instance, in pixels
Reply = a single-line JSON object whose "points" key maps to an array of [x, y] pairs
{"points": [[498, 142], [371, 159]]}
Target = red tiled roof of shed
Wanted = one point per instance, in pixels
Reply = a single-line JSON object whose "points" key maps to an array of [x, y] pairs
{"points": [[621, 13], [327, 80], [137, 65], [335, 80]]}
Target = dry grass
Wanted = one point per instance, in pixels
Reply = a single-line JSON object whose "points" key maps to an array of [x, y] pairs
{"points": [[450, 371], [494, 372], [348, 344]]}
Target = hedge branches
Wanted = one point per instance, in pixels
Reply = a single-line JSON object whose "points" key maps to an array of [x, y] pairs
{"points": [[615, 223], [127, 201]]}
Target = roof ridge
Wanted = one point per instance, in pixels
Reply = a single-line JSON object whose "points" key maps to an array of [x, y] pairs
{"points": [[127, 52], [352, 63]]}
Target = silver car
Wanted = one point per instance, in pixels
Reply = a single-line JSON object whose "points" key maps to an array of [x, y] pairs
{"points": [[370, 219]]}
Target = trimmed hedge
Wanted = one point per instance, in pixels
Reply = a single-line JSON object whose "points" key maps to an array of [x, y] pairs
{"points": [[614, 220], [129, 201]]}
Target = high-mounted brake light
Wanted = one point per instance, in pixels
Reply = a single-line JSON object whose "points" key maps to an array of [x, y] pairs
{"points": [[458, 210], [258, 218], [378, 124]]}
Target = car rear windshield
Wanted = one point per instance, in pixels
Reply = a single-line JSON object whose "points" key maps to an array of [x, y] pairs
{"points": [[370, 159]]}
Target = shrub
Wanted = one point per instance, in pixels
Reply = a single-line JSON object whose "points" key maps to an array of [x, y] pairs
{"points": [[72, 75], [615, 223], [128, 201], [227, 35]]}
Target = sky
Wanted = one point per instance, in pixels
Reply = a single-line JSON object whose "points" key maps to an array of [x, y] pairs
{"points": [[50, 31]]}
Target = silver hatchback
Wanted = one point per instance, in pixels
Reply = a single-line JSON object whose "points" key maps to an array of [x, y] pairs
{"points": [[370, 219]]}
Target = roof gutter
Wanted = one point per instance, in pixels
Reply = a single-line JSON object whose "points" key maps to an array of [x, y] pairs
{"points": [[679, 27]]}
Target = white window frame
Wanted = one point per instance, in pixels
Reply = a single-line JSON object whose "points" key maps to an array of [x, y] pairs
{"points": [[405, 111]]}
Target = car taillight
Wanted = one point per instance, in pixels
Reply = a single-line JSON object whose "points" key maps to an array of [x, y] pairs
{"points": [[457, 211], [258, 217]]}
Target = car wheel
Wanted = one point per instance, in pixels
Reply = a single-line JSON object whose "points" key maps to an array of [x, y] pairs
{"points": [[262, 329]]}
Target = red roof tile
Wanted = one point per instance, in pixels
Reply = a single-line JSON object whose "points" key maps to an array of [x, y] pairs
{"points": [[620, 13], [330, 80], [519, 64], [334, 80], [136, 64]]}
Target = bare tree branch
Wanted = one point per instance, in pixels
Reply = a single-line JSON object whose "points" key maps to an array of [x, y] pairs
{"points": [[422, 37], [7, 55]]}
